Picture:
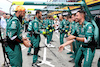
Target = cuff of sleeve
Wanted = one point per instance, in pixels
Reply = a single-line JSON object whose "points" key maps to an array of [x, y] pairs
{"points": [[13, 37], [85, 40], [74, 40]]}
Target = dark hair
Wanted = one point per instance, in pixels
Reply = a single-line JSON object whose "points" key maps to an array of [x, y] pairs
{"points": [[74, 14], [37, 12], [47, 16], [81, 11], [50, 16], [69, 16]]}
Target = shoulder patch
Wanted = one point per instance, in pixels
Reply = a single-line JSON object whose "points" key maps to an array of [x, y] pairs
{"points": [[90, 27], [35, 24], [13, 25], [13, 21]]}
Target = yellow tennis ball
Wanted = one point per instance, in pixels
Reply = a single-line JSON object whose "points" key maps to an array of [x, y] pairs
{"points": [[53, 29], [66, 30], [68, 33], [55, 16], [47, 28], [50, 30], [44, 32], [48, 25]]}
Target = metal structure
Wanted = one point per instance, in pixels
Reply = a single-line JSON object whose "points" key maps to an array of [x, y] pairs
{"points": [[49, 9], [47, 3], [67, 10]]}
